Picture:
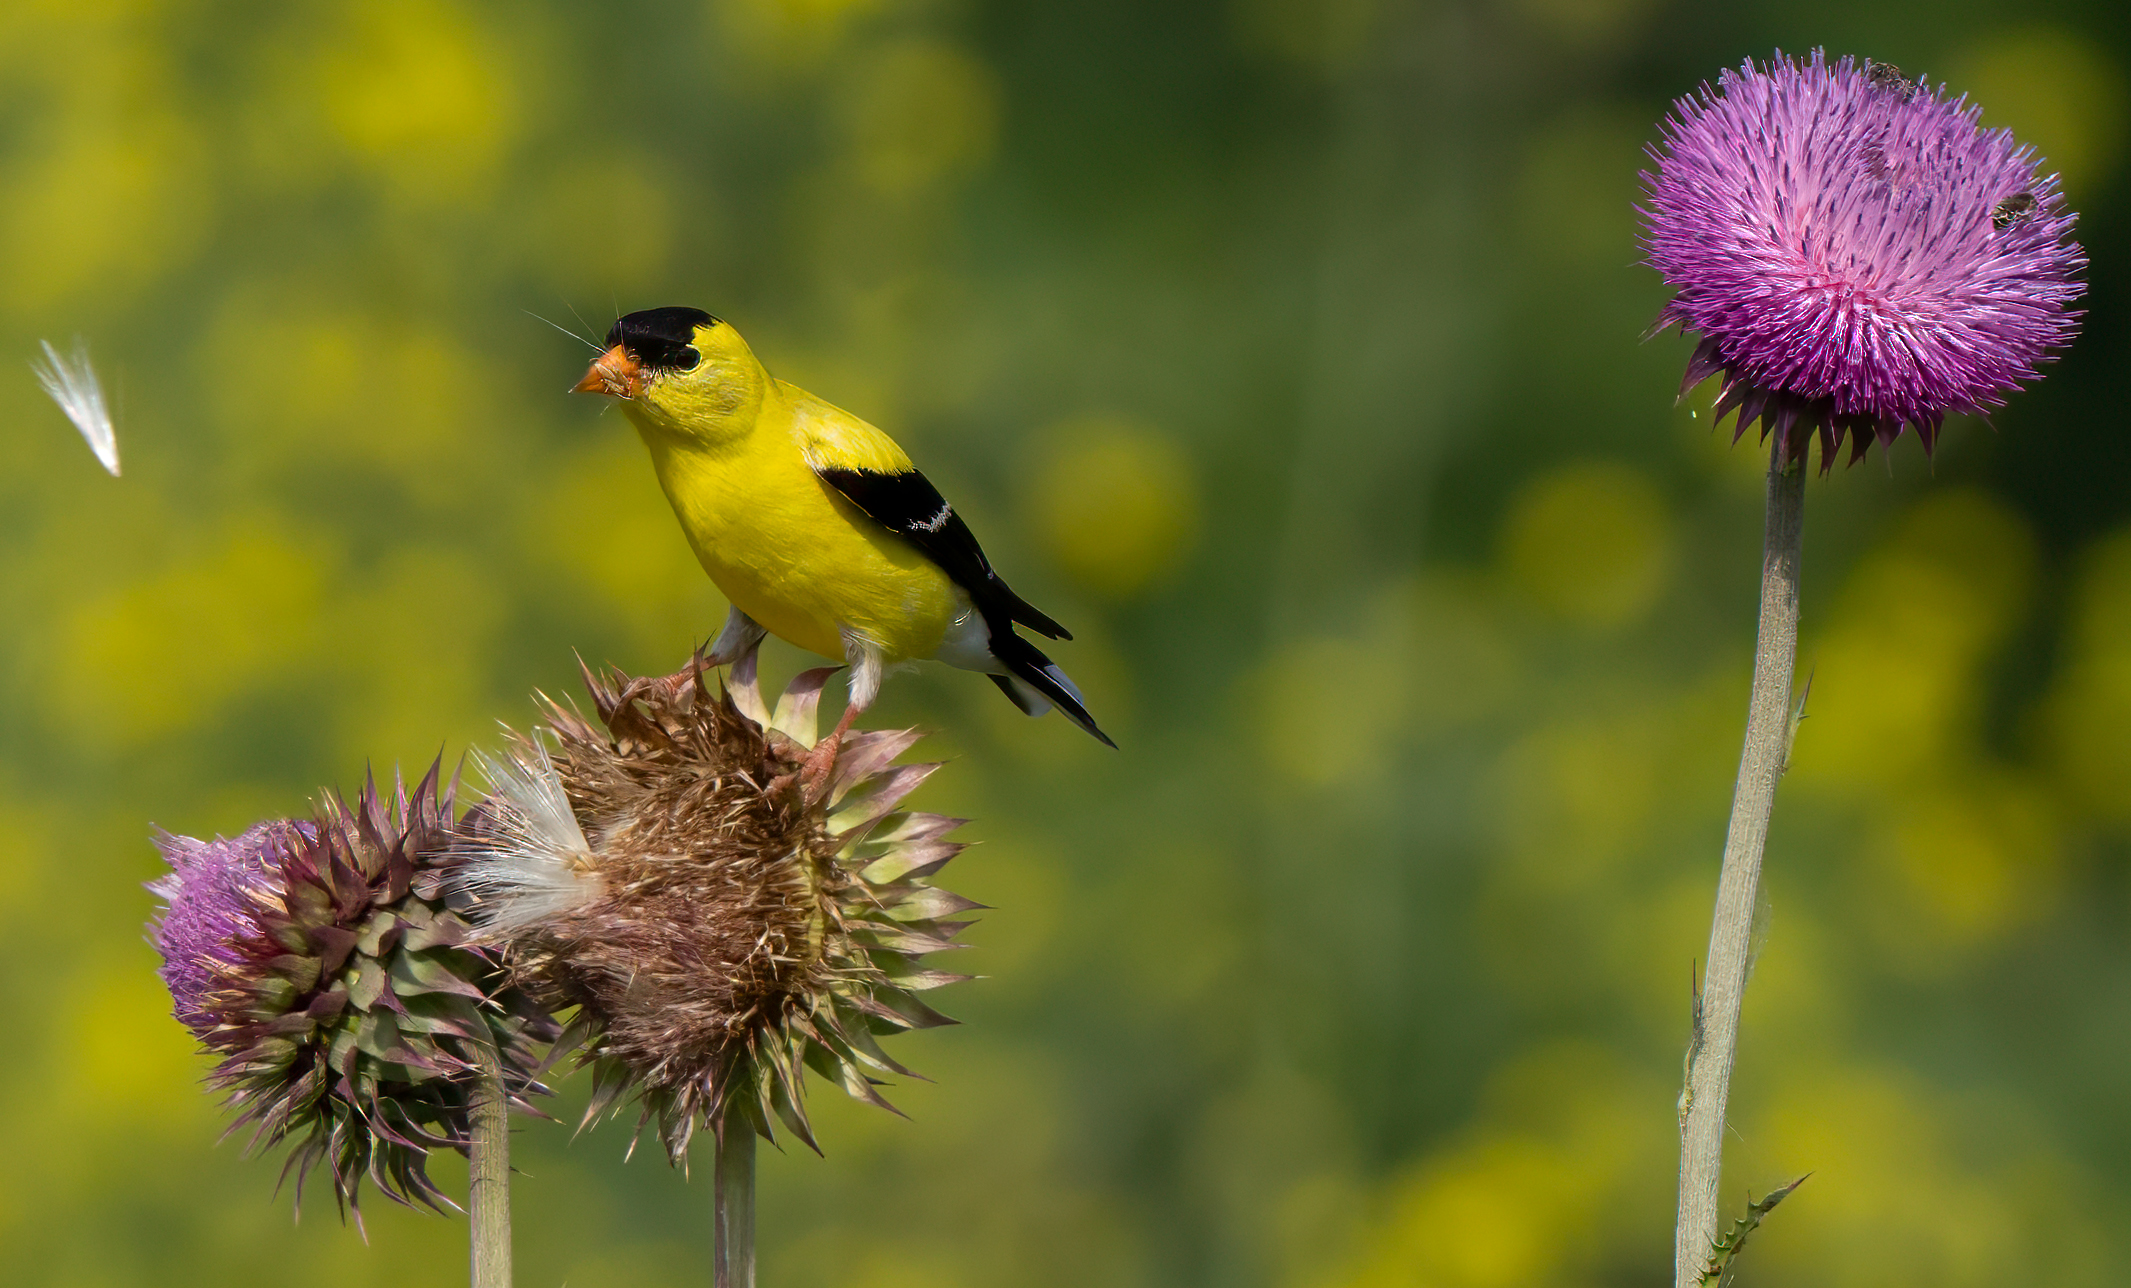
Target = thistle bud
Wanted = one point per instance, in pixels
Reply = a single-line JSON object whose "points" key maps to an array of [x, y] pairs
{"points": [[317, 958], [714, 927]]}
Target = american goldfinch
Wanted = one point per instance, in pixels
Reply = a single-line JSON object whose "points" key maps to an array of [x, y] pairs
{"points": [[815, 524]]}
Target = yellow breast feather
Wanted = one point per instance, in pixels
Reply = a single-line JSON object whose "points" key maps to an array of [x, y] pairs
{"points": [[787, 550]]}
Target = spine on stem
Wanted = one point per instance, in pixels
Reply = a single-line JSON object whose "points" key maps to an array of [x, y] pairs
{"points": [[1716, 1029]]}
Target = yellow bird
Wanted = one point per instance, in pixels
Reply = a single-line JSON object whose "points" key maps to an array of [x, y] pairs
{"points": [[814, 524]]}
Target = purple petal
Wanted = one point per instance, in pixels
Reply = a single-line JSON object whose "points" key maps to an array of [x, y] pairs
{"points": [[1858, 254]]}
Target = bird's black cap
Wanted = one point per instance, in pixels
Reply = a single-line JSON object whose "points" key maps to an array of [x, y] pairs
{"points": [[661, 339]]}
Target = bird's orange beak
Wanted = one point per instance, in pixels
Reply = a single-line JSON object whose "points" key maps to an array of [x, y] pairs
{"points": [[613, 373]]}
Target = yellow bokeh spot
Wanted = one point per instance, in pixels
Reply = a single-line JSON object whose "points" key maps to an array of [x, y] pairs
{"points": [[788, 33], [414, 638], [1592, 543], [1964, 865], [1577, 799], [1116, 504], [25, 841], [103, 181], [1318, 741], [2057, 91], [1613, 806], [345, 388], [1329, 708], [1471, 1220], [1526, 1198], [1894, 678], [2087, 716], [418, 91], [602, 520], [603, 223], [125, 1061], [174, 648], [1425, 659], [918, 112], [97, 204], [1899, 1199]]}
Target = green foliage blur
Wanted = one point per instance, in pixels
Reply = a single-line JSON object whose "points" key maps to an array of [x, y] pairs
{"points": [[1286, 350]]}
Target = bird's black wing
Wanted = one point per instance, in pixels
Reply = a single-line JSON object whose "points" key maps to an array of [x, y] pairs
{"points": [[908, 505]]}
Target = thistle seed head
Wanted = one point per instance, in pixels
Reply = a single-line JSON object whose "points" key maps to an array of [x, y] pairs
{"points": [[662, 872]]}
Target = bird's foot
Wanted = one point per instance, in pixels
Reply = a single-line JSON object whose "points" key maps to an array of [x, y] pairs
{"points": [[723, 654], [741, 636], [820, 762]]}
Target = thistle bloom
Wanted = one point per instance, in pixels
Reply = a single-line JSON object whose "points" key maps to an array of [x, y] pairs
{"points": [[1856, 253], [318, 960], [212, 897], [715, 926]]}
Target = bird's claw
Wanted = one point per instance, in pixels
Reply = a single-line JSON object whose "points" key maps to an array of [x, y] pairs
{"points": [[820, 762], [815, 769]]}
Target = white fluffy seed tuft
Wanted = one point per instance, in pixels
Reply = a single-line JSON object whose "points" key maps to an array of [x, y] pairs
{"points": [[72, 383], [536, 866]]}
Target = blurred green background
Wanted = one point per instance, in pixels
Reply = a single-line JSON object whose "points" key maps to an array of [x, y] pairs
{"points": [[1285, 350]]}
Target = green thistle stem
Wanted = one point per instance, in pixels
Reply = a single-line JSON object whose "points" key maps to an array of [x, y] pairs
{"points": [[733, 1207], [1768, 727], [489, 1182]]}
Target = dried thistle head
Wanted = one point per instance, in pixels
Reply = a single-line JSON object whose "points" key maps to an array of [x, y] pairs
{"points": [[663, 873], [318, 959]]}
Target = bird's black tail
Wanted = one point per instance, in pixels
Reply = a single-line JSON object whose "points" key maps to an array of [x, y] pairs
{"points": [[1030, 668]]}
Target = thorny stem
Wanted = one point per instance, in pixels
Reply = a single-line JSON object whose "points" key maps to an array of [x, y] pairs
{"points": [[489, 1182], [733, 1206], [1768, 722]]}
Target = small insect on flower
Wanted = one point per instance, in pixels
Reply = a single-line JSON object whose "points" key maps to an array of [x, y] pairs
{"points": [[1888, 77], [2012, 210], [72, 383], [1839, 237]]}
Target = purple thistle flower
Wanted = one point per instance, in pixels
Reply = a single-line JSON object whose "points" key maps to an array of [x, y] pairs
{"points": [[211, 899], [318, 961], [1857, 254]]}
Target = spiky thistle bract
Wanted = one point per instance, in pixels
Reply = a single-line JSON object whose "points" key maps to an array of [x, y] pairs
{"points": [[317, 958], [717, 928], [1857, 254]]}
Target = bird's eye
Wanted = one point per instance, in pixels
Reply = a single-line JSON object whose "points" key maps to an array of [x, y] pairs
{"points": [[667, 357]]}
